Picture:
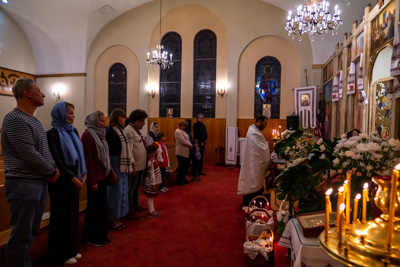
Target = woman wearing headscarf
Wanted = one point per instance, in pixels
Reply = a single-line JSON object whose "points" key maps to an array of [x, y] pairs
{"points": [[152, 135], [98, 167], [67, 151], [121, 161]]}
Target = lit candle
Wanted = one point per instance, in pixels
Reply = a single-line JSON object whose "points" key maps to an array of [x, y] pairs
{"points": [[328, 210], [364, 203], [393, 195], [148, 55], [260, 205], [262, 217], [348, 195], [339, 202], [355, 211], [341, 219], [254, 204]]}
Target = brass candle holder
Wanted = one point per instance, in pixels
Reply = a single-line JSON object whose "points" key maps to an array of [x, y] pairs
{"points": [[375, 242]]}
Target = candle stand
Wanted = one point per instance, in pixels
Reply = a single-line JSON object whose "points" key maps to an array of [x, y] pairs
{"points": [[370, 243]]}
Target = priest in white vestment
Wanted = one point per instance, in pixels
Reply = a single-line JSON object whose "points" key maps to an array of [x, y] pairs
{"points": [[256, 161]]}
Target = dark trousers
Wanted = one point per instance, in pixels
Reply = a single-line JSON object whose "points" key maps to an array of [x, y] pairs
{"points": [[200, 167], [162, 178], [183, 167], [96, 218], [136, 181], [64, 221], [195, 167]]}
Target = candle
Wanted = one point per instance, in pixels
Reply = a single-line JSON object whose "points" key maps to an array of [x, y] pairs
{"points": [[341, 219], [254, 204], [355, 211], [260, 205], [364, 203], [339, 202], [262, 217], [328, 210], [348, 195], [393, 195], [148, 55]]}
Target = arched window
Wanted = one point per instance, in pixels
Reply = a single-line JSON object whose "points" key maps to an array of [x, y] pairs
{"points": [[267, 94], [204, 73], [170, 78], [117, 87]]}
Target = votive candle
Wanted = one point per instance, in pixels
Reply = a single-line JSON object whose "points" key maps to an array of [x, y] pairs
{"points": [[393, 195], [328, 210], [348, 195], [355, 212], [339, 202], [341, 219], [364, 202]]}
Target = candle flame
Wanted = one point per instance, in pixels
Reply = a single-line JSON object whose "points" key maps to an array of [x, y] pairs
{"points": [[329, 191], [346, 181], [366, 186], [342, 206], [341, 189], [358, 196], [397, 167]]}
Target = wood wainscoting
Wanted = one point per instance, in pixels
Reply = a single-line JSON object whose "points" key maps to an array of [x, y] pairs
{"points": [[215, 148], [244, 124]]}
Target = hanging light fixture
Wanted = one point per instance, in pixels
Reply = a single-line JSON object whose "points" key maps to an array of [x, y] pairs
{"points": [[313, 18], [160, 58]]}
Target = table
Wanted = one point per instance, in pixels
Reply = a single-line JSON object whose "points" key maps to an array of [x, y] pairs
{"points": [[304, 251]]}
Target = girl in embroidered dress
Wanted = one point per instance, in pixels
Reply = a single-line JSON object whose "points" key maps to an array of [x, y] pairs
{"points": [[152, 180]]}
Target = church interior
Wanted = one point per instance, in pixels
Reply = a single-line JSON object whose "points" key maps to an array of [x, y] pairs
{"points": [[230, 60]]}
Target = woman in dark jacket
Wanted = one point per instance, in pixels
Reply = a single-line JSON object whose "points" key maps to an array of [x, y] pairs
{"points": [[67, 151]]}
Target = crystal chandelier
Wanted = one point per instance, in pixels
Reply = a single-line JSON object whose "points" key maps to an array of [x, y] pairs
{"points": [[313, 18], [159, 58]]}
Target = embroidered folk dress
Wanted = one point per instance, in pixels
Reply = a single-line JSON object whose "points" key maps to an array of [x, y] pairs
{"points": [[153, 177], [256, 161]]}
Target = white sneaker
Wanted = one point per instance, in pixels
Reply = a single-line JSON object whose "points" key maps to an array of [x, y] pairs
{"points": [[163, 190], [166, 189], [70, 261], [78, 256]]}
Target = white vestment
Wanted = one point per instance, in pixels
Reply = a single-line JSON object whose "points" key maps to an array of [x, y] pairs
{"points": [[256, 161]]}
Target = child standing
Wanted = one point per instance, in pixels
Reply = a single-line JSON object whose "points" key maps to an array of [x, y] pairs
{"points": [[163, 159], [196, 156], [152, 180]]}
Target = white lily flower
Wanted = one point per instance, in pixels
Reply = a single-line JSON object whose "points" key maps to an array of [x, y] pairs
{"points": [[322, 156], [336, 161], [320, 141], [322, 148]]}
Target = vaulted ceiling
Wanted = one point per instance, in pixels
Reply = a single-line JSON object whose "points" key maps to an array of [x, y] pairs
{"points": [[70, 26]]}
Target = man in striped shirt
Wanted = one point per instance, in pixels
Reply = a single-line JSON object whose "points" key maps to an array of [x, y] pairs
{"points": [[28, 166]]}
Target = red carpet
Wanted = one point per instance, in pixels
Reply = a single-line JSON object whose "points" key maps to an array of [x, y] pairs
{"points": [[201, 225]]}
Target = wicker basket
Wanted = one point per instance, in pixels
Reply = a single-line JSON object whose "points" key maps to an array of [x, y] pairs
{"points": [[254, 214], [253, 234]]}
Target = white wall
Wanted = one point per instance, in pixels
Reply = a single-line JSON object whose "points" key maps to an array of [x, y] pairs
{"points": [[15, 53], [382, 65]]}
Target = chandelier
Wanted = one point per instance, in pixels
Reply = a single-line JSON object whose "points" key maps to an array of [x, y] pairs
{"points": [[160, 58], [313, 18]]}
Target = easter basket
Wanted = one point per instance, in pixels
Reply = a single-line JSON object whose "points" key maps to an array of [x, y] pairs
{"points": [[254, 213], [259, 244]]}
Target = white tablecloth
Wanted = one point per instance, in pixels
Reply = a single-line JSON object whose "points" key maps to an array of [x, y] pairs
{"points": [[304, 251]]}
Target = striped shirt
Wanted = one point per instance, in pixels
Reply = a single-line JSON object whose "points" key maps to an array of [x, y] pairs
{"points": [[25, 148]]}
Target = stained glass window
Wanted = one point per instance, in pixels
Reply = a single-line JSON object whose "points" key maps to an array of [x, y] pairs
{"points": [[204, 73], [117, 87], [170, 78], [267, 90]]}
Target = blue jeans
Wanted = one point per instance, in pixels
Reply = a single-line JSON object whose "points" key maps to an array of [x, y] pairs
{"points": [[27, 199], [136, 181]]}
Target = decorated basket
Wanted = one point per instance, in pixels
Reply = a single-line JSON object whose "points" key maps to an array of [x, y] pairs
{"points": [[259, 213], [259, 244]]}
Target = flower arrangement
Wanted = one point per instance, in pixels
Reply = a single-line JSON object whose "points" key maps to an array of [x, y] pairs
{"points": [[294, 145], [366, 156]]}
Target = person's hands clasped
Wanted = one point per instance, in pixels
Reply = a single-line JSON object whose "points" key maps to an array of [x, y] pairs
{"points": [[53, 179], [77, 183], [94, 187], [83, 179]]}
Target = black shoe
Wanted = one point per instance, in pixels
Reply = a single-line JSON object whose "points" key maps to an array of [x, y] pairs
{"points": [[202, 173], [107, 241], [185, 182], [181, 183], [198, 179]]}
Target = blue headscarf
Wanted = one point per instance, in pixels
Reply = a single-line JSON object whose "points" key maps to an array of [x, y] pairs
{"points": [[71, 145]]}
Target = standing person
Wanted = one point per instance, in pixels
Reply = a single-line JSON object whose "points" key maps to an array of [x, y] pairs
{"points": [[188, 130], [121, 161], [182, 152], [153, 179], [151, 137], [256, 161], [196, 157], [200, 133], [98, 167], [137, 144], [28, 166], [162, 159], [67, 151]]}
